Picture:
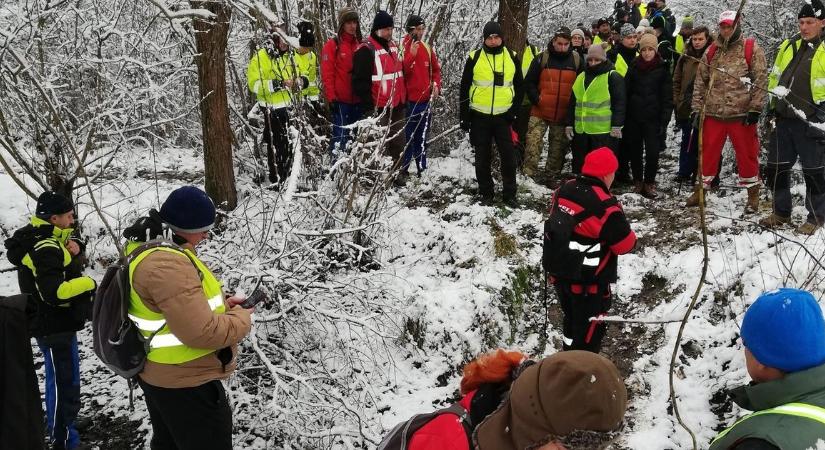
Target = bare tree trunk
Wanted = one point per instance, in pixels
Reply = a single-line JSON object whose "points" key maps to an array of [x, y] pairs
{"points": [[512, 14], [211, 40]]}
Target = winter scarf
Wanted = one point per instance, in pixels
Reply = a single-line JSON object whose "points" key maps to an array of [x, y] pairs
{"points": [[647, 66]]}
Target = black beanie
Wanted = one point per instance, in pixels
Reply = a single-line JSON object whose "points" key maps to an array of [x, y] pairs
{"points": [[491, 28], [382, 20], [52, 204], [413, 21], [306, 38], [188, 209], [813, 9]]}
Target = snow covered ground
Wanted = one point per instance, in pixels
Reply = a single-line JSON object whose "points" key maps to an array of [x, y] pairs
{"points": [[449, 296]]}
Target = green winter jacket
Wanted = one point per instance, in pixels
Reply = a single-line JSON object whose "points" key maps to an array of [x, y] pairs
{"points": [[789, 413]]}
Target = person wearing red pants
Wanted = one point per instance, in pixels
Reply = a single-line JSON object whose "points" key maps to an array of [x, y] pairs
{"points": [[731, 104]]}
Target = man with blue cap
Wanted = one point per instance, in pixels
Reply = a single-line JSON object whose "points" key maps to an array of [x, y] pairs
{"points": [[784, 337]]}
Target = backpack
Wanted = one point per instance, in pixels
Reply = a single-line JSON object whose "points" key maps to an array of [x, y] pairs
{"points": [[558, 259], [401, 435], [577, 60], [117, 340], [749, 42]]}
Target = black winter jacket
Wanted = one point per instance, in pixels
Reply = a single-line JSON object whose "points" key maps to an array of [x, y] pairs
{"points": [[618, 99], [649, 93], [59, 296], [363, 64]]}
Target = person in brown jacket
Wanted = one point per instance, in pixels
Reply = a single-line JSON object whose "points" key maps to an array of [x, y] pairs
{"points": [[684, 76], [572, 400], [548, 85], [731, 105], [197, 329]]}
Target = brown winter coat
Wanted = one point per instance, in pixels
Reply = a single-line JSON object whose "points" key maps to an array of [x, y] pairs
{"points": [[729, 97], [549, 86], [684, 76], [170, 284]]}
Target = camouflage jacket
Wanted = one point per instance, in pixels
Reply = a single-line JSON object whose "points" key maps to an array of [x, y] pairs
{"points": [[731, 95]]}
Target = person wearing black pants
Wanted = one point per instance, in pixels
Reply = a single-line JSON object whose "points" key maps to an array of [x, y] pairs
{"points": [[189, 418], [579, 303], [490, 96], [279, 152], [650, 104]]}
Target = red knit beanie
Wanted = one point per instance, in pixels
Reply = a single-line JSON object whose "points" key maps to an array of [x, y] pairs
{"points": [[600, 162]]}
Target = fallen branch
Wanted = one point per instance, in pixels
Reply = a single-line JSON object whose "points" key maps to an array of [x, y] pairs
{"points": [[617, 319]]}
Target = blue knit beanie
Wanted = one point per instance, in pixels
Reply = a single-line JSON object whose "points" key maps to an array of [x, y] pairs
{"points": [[188, 210], [785, 329]]}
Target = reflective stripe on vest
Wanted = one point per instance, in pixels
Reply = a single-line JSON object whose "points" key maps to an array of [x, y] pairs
{"points": [[791, 409], [387, 71], [307, 65], [784, 57], [165, 347], [593, 114], [263, 69], [485, 96]]}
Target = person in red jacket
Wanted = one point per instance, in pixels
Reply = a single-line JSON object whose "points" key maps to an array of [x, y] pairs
{"points": [[378, 82], [484, 383], [584, 235], [336, 70], [422, 76]]}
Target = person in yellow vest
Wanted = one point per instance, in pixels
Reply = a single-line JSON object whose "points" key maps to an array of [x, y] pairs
{"points": [[523, 116], [272, 78], [490, 96], [623, 54], [685, 32], [306, 63], [783, 338], [48, 258], [603, 34], [597, 114], [797, 83], [196, 329]]}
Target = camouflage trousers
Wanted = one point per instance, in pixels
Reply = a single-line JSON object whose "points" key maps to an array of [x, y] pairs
{"points": [[557, 141]]}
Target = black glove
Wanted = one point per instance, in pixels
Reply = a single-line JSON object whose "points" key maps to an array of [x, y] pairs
{"points": [[694, 119], [752, 118], [510, 117]]}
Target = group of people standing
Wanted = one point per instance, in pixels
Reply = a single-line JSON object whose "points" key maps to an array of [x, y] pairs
{"points": [[361, 77]]}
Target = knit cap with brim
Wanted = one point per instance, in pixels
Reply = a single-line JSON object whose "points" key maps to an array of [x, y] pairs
{"points": [[785, 329], [565, 392], [596, 51], [648, 40], [188, 210], [347, 15]]}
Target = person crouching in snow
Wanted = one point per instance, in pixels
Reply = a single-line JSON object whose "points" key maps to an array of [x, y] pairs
{"points": [[783, 333], [650, 103]]}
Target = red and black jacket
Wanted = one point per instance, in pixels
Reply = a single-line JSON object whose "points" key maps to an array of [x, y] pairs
{"points": [[601, 232]]}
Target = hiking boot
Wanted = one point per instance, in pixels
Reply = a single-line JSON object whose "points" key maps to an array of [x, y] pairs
{"points": [[511, 202], [752, 206], [649, 191], [774, 221], [486, 200], [400, 179], [638, 187], [693, 200], [808, 228]]}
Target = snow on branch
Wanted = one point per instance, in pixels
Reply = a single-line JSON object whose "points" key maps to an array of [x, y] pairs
{"points": [[198, 13]]}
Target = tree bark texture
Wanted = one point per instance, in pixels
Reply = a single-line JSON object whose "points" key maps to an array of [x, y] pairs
{"points": [[512, 15], [211, 41]]}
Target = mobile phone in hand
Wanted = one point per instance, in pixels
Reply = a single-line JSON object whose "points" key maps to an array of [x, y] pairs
{"points": [[256, 297]]}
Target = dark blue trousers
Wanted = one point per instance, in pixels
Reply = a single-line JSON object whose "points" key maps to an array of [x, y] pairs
{"points": [[62, 388], [416, 130], [343, 114]]}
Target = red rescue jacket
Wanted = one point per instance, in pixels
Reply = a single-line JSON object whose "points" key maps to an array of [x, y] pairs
{"points": [[387, 74], [336, 68], [445, 432], [421, 72]]}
